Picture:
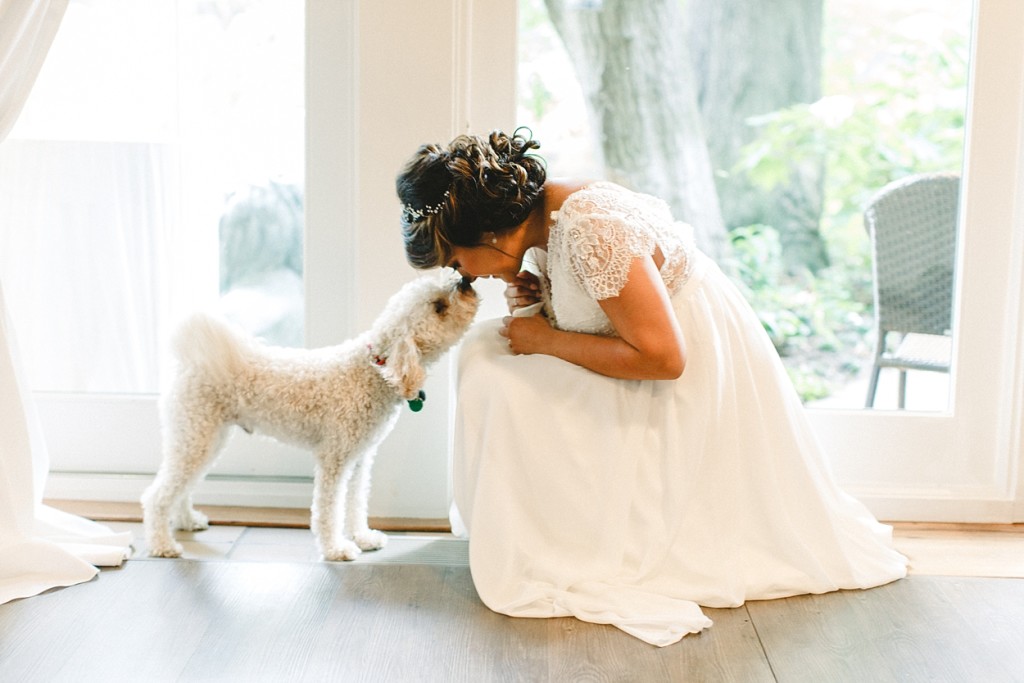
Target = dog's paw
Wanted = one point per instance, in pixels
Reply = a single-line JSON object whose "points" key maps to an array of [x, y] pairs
{"points": [[193, 521], [344, 552], [169, 550], [370, 539]]}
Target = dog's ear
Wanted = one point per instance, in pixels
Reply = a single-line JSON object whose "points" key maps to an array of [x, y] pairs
{"points": [[403, 370]]}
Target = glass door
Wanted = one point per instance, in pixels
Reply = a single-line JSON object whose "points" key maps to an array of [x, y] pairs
{"points": [[158, 169]]}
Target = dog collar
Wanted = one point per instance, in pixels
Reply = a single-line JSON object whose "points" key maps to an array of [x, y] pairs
{"points": [[376, 358], [415, 404]]}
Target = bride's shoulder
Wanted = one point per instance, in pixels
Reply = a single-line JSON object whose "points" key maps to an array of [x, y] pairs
{"points": [[568, 197]]}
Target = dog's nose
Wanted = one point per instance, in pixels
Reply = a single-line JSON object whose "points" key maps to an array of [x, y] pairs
{"points": [[466, 283]]}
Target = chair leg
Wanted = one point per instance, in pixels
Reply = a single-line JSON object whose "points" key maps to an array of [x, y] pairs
{"points": [[903, 389], [872, 387], [873, 384]]}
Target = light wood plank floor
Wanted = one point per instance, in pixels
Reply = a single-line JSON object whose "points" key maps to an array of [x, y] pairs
{"points": [[253, 604]]}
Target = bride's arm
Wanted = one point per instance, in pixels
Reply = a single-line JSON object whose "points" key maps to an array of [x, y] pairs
{"points": [[649, 346]]}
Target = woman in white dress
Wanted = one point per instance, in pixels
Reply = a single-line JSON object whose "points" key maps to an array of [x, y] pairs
{"points": [[635, 449]]}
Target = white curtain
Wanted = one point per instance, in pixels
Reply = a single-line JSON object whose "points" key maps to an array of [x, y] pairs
{"points": [[40, 547], [95, 262]]}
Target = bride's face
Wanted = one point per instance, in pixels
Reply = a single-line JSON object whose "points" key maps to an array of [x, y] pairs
{"points": [[485, 260]]}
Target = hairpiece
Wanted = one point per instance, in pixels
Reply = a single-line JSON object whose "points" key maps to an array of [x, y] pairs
{"points": [[428, 210]]}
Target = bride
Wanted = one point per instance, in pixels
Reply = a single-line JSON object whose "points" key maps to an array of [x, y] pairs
{"points": [[628, 446]]}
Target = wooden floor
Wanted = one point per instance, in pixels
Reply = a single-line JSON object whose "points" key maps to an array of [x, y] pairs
{"points": [[254, 605]]}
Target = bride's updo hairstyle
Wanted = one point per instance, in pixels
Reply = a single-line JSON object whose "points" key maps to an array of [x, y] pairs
{"points": [[452, 195]]}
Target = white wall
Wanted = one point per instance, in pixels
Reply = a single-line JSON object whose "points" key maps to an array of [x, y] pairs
{"points": [[438, 70]]}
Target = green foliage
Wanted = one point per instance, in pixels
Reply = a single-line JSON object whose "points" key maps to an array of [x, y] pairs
{"points": [[895, 106], [809, 319], [536, 35], [894, 78]]}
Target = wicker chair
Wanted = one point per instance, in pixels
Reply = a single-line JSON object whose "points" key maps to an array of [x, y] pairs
{"points": [[912, 224]]}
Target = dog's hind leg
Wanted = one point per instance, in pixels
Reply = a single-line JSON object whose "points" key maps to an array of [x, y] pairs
{"points": [[166, 504], [157, 502], [333, 473], [357, 526]]}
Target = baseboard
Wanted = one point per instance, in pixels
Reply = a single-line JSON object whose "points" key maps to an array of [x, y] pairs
{"points": [[254, 492], [298, 518], [231, 515], [970, 506], [966, 527]]}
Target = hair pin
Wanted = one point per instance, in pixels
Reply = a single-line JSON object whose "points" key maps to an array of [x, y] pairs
{"points": [[428, 210]]}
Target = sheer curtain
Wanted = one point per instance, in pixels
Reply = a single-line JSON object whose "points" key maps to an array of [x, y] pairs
{"points": [[96, 261], [40, 548]]}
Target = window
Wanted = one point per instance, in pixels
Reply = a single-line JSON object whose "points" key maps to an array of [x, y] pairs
{"points": [[804, 115], [157, 169]]}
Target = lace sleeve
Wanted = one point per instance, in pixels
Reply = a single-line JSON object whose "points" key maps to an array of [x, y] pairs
{"points": [[600, 250]]}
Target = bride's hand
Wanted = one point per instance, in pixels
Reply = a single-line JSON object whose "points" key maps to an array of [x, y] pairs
{"points": [[523, 291], [527, 335]]}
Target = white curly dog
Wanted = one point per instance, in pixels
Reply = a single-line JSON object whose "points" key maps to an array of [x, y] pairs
{"points": [[339, 401]]}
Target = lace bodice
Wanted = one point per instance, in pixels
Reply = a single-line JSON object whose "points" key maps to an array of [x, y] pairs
{"points": [[596, 234]]}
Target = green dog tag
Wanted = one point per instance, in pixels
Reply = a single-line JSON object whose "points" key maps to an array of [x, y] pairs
{"points": [[416, 404]]}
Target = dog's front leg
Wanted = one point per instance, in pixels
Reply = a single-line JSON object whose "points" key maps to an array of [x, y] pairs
{"points": [[357, 526], [330, 480], [187, 518]]}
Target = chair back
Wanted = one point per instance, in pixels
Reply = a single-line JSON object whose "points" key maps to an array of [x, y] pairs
{"points": [[912, 224]]}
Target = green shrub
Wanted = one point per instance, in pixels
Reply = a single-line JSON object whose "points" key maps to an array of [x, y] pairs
{"points": [[818, 324], [894, 106]]}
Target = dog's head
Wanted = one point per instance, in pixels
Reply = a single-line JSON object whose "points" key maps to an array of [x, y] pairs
{"points": [[421, 321]]}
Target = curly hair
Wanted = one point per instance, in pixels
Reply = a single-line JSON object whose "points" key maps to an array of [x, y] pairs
{"points": [[452, 195]]}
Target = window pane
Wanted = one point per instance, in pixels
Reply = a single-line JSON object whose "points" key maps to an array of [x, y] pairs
{"points": [[797, 114], [156, 169]]}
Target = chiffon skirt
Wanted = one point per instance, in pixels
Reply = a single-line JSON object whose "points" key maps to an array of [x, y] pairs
{"points": [[632, 503]]}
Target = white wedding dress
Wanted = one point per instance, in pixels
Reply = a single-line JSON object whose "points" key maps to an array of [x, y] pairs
{"points": [[632, 502]]}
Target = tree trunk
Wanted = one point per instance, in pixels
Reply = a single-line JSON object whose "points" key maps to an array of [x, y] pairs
{"points": [[753, 57], [636, 78]]}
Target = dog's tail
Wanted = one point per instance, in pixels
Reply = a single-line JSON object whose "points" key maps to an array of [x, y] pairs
{"points": [[211, 346]]}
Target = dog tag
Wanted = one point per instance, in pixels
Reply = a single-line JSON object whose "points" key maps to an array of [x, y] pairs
{"points": [[416, 404]]}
